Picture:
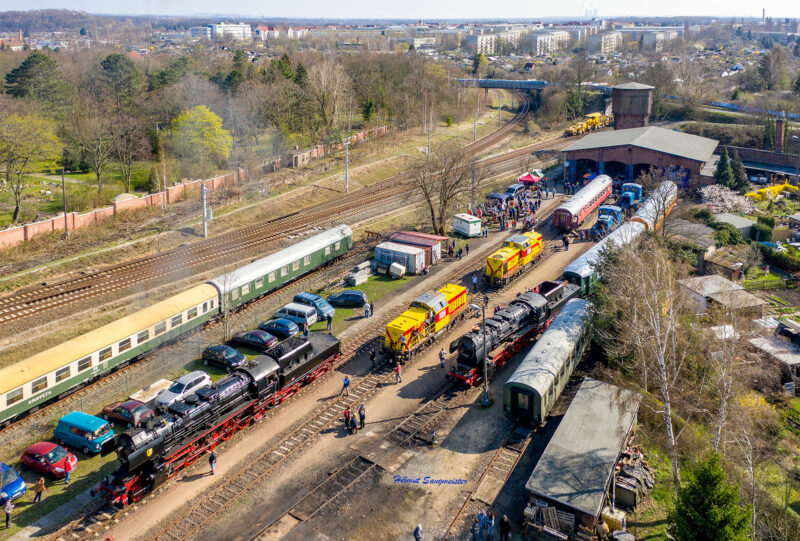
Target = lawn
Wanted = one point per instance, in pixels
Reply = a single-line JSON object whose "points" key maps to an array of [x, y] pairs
{"points": [[90, 471]]}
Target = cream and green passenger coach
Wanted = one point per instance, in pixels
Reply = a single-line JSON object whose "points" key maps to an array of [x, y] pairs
{"points": [[62, 369]]}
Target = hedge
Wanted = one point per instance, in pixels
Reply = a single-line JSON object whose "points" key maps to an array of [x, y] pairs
{"points": [[783, 260], [761, 232]]}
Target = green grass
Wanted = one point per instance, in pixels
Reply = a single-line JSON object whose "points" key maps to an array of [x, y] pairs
{"points": [[90, 471], [650, 522], [376, 288]]}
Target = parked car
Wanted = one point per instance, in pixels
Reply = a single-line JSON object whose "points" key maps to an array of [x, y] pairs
{"points": [[83, 431], [759, 179], [48, 459], [514, 190], [299, 313], [348, 297], [129, 413], [12, 486], [257, 339], [183, 387], [281, 327], [318, 303], [223, 356]]}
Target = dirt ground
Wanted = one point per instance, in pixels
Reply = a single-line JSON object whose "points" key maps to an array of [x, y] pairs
{"points": [[379, 508]]}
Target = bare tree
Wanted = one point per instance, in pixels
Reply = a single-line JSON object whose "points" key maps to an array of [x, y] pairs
{"points": [[329, 84], [442, 178], [661, 196], [128, 145], [92, 137], [651, 329]]}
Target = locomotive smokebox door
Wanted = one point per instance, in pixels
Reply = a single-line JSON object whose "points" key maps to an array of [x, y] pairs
{"points": [[454, 345]]}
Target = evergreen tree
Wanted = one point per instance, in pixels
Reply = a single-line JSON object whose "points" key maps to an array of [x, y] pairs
{"points": [[739, 174], [769, 134], [368, 109], [480, 63], [239, 60], [123, 78], [38, 77], [724, 173], [707, 507], [301, 75], [285, 67], [797, 81]]}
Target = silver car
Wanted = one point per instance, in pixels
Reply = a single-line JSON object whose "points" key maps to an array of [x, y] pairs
{"points": [[183, 387]]}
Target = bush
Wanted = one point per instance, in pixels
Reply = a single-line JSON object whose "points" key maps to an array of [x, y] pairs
{"points": [[788, 261], [761, 232], [769, 221], [704, 215], [725, 235], [448, 120]]}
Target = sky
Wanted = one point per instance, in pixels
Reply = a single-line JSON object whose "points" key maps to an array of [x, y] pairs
{"points": [[421, 9]]}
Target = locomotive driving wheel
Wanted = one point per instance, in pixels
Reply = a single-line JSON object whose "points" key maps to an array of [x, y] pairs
{"points": [[228, 430]]}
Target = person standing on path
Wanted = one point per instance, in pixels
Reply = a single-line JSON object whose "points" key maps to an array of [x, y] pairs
{"points": [[9, 508], [305, 329], [566, 243], [212, 461], [475, 282], [371, 308], [38, 490], [347, 417], [372, 357], [418, 533], [482, 521], [398, 378], [490, 525], [442, 356], [329, 318], [362, 415], [467, 248], [366, 310], [345, 387], [505, 529]]}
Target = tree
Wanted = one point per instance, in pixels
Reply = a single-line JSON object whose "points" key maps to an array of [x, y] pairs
{"points": [[581, 70], [123, 78], [39, 78], [740, 180], [772, 68], [129, 144], [644, 321], [707, 507], [769, 134], [724, 173], [25, 140], [328, 83], [796, 87], [198, 135], [92, 138], [301, 75], [480, 63], [442, 178], [368, 109], [284, 65]]}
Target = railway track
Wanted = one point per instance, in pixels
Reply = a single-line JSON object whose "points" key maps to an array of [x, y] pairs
{"points": [[195, 257], [288, 446]]}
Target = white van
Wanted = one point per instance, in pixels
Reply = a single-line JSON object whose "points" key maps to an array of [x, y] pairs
{"points": [[299, 313]]}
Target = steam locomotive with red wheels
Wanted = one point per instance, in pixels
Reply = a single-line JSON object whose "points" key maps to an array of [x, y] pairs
{"points": [[156, 452]]}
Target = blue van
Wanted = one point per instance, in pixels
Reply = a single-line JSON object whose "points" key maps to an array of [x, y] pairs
{"points": [[317, 303], [12, 486], [83, 431]]}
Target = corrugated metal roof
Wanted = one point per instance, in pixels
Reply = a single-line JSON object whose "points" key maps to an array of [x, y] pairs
{"points": [[670, 142], [736, 221], [400, 248], [275, 261], [708, 285], [413, 238], [575, 203], [576, 467], [422, 235]]}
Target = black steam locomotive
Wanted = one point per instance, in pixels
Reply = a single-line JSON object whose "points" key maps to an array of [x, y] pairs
{"points": [[509, 330], [151, 455]]}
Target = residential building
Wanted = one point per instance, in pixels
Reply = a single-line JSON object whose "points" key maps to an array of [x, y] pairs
{"points": [[510, 36], [239, 31], [481, 44], [418, 43], [265, 33], [654, 41], [361, 33], [605, 43], [560, 38], [296, 33], [541, 43]]}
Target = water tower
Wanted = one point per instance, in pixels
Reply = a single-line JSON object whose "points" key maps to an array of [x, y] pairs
{"points": [[631, 104]]}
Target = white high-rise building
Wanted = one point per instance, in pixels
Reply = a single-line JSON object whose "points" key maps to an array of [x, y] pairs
{"points": [[236, 31]]}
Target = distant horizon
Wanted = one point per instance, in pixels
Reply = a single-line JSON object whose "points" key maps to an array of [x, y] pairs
{"points": [[413, 10]]}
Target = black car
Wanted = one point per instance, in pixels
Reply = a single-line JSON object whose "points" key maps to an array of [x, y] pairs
{"points": [[223, 356], [257, 339], [348, 297]]}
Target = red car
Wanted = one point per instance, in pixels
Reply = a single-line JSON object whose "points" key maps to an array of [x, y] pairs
{"points": [[129, 413], [48, 458]]}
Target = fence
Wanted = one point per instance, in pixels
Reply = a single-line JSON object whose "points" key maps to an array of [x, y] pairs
{"points": [[16, 235], [769, 283]]}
